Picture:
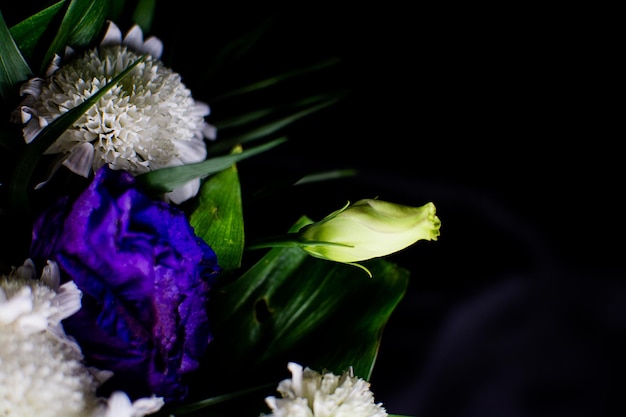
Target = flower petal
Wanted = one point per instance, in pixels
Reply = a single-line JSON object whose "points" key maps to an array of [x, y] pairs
{"points": [[134, 38], [153, 46], [113, 35], [81, 159]]}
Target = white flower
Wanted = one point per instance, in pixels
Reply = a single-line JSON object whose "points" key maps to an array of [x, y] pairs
{"points": [[41, 369], [148, 121], [310, 394], [119, 405]]}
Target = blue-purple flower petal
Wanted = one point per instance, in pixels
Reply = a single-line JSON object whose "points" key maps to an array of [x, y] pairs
{"points": [[145, 278]]}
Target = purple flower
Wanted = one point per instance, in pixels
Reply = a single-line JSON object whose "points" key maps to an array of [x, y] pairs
{"points": [[145, 278]]}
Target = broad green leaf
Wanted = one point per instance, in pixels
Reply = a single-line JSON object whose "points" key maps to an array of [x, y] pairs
{"points": [[166, 179], [30, 32], [18, 188], [13, 67], [218, 219], [80, 26], [290, 306]]}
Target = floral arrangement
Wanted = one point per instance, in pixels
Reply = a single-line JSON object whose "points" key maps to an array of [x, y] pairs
{"points": [[128, 283]]}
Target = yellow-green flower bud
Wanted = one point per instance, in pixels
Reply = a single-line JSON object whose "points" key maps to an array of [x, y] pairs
{"points": [[369, 229]]}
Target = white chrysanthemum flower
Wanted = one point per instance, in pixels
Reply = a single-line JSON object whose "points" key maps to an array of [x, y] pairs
{"points": [[148, 121], [41, 369], [310, 394]]}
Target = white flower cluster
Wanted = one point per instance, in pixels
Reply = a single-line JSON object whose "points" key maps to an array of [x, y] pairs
{"points": [[311, 394], [41, 369], [148, 121]]}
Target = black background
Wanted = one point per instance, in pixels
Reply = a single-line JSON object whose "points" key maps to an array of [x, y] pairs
{"points": [[506, 118]]}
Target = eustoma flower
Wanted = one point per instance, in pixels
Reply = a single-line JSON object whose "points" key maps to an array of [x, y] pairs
{"points": [[147, 122], [369, 229], [145, 278], [311, 394]]}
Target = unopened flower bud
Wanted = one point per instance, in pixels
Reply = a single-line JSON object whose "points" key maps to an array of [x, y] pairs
{"points": [[369, 229]]}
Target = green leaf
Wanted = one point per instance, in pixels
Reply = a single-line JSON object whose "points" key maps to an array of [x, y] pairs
{"points": [[272, 81], [18, 188], [218, 219], [144, 14], [166, 179], [29, 32], [293, 307], [271, 127], [180, 410], [80, 26], [13, 66], [231, 52], [256, 115]]}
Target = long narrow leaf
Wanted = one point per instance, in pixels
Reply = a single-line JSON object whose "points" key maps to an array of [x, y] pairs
{"points": [[268, 82], [144, 14], [166, 179], [29, 32], [47, 136], [13, 66], [234, 50], [256, 115], [271, 127], [81, 24]]}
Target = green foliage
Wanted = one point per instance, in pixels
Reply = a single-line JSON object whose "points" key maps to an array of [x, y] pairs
{"points": [[13, 66], [218, 219], [166, 179], [292, 307]]}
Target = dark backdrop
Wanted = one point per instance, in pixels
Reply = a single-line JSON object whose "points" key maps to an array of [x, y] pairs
{"points": [[503, 117]]}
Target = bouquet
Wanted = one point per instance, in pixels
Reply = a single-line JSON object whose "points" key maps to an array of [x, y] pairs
{"points": [[132, 282]]}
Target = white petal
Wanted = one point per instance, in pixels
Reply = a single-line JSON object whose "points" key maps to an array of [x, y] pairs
{"points": [[119, 405], [81, 159], [32, 87], [189, 152], [296, 377], [134, 38], [113, 36], [209, 131], [51, 276], [153, 46], [31, 129], [201, 109], [67, 301], [145, 406], [69, 52], [26, 113], [27, 271], [100, 375], [54, 65], [184, 192]]}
